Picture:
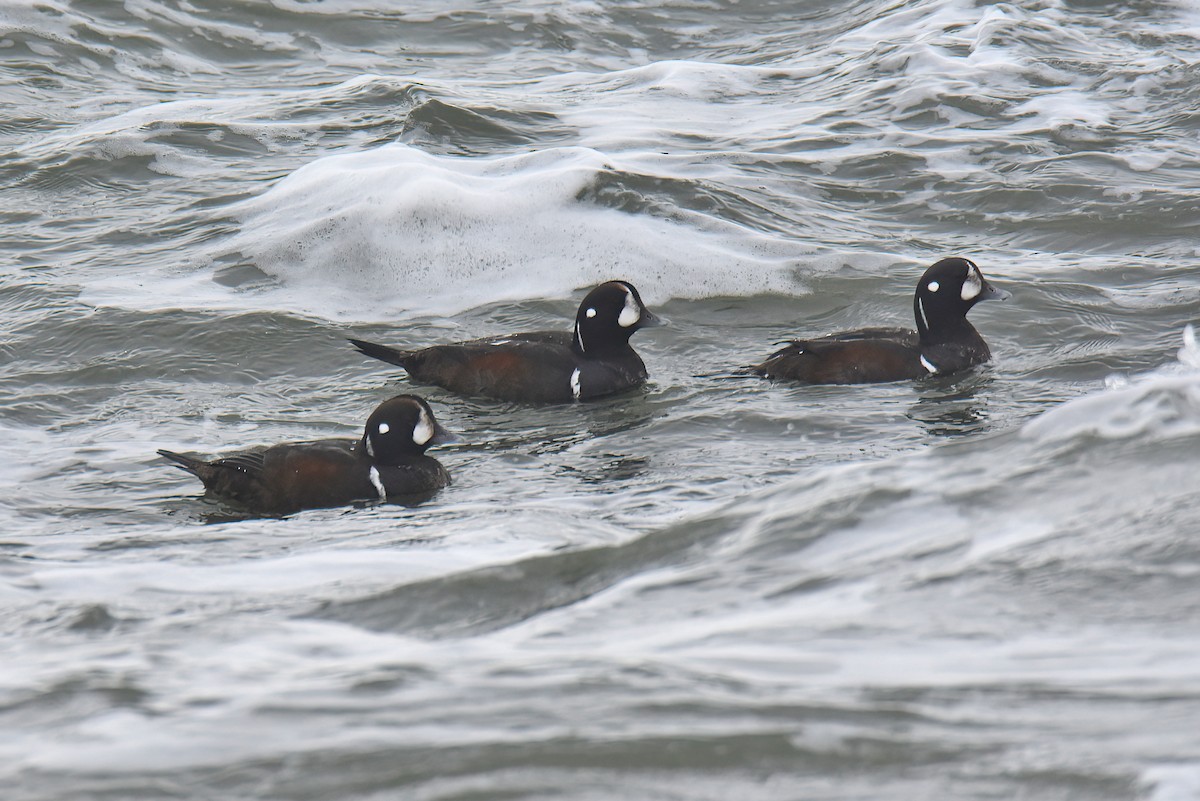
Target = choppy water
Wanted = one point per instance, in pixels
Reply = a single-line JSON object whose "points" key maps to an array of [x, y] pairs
{"points": [[720, 588]]}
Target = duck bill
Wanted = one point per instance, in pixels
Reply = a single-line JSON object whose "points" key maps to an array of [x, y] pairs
{"points": [[650, 320], [990, 292], [443, 436]]}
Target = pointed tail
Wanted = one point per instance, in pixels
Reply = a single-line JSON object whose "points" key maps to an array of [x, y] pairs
{"points": [[188, 463], [383, 352]]}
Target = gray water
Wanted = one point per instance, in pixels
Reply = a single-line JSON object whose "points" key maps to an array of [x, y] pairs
{"points": [[982, 587]]}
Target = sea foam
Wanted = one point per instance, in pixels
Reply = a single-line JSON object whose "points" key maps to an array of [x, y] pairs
{"points": [[395, 229], [1162, 404]]}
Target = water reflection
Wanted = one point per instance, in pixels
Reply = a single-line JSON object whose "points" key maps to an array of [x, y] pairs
{"points": [[954, 406]]}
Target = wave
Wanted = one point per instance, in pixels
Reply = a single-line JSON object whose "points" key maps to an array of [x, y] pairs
{"points": [[854, 543], [1163, 404], [398, 229]]}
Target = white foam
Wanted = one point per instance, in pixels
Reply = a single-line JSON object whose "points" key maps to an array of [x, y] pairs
{"points": [[1164, 403], [1173, 782], [396, 229], [131, 132], [1189, 354], [1067, 107], [393, 231], [210, 26], [282, 575], [1144, 159]]}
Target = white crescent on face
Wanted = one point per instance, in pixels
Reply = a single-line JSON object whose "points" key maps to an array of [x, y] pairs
{"points": [[973, 284], [631, 313], [423, 431]]}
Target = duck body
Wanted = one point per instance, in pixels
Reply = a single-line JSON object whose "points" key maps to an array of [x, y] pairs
{"points": [[591, 361], [530, 367], [943, 343], [285, 478]]}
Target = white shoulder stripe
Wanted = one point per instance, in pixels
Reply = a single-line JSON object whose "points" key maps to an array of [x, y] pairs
{"points": [[575, 388], [378, 482], [928, 365]]}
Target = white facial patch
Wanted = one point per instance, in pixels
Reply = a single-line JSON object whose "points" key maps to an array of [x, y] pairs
{"points": [[384, 428], [575, 388], [973, 285], [928, 365], [921, 310], [378, 482], [370, 448], [631, 313], [590, 312], [423, 431], [934, 286]]}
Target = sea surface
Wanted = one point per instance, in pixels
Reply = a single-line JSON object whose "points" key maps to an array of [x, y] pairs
{"points": [[719, 588]]}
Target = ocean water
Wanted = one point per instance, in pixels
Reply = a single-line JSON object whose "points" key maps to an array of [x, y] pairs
{"points": [[980, 587]]}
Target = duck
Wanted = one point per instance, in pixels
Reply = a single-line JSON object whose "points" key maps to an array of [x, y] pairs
{"points": [[388, 463], [943, 343], [593, 360]]}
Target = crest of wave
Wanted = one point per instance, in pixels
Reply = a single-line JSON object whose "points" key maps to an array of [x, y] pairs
{"points": [[397, 229], [1161, 403]]}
